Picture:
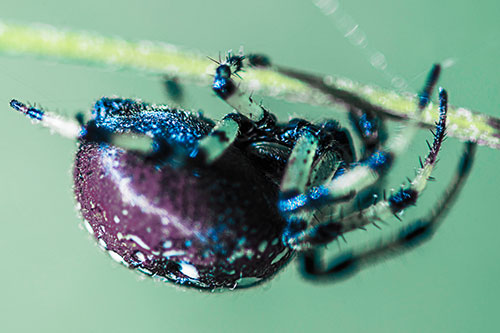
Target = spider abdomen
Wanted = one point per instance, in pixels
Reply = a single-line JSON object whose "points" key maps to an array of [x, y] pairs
{"points": [[213, 227]]}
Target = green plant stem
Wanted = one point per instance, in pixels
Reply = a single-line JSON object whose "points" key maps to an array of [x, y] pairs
{"points": [[190, 67]]}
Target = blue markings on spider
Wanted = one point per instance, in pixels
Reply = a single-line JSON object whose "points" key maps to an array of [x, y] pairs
{"points": [[294, 203], [365, 125], [300, 200], [227, 204], [31, 112], [223, 85], [379, 159], [402, 198]]}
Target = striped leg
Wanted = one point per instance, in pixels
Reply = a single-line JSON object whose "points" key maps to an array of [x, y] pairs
{"points": [[67, 128], [299, 164], [226, 89], [225, 132], [216, 142], [372, 132], [361, 174], [328, 230], [367, 124], [413, 234], [73, 129]]}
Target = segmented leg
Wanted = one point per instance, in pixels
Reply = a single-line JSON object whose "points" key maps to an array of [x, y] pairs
{"points": [[361, 174], [225, 88], [216, 142], [413, 234], [226, 130], [74, 129], [224, 133], [328, 230], [324, 169], [370, 128], [299, 163], [65, 127]]}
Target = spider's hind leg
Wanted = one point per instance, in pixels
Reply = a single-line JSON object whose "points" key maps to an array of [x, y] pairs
{"points": [[413, 234]]}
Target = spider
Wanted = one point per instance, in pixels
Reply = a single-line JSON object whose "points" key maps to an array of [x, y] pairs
{"points": [[228, 204]]}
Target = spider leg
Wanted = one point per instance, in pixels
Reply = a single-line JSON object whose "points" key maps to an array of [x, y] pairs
{"points": [[225, 132], [297, 235], [299, 164], [370, 128], [366, 122], [362, 174], [216, 142], [324, 168], [67, 128], [226, 89], [350, 99], [75, 129], [412, 235]]}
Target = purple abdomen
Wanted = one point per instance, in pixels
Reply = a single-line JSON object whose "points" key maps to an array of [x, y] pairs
{"points": [[213, 227]]}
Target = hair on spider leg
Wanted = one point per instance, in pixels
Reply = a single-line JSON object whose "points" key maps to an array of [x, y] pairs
{"points": [[399, 200], [366, 172], [413, 234], [31, 112], [422, 229]]}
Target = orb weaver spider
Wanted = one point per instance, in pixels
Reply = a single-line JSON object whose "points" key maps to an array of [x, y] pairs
{"points": [[228, 204]]}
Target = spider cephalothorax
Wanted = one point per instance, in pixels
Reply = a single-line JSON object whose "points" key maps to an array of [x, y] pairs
{"points": [[227, 204]]}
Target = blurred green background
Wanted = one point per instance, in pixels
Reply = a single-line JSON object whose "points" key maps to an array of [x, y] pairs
{"points": [[54, 279]]}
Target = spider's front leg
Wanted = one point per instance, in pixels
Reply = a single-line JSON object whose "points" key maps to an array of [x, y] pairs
{"points": [[298, 205], [298, 236]]}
